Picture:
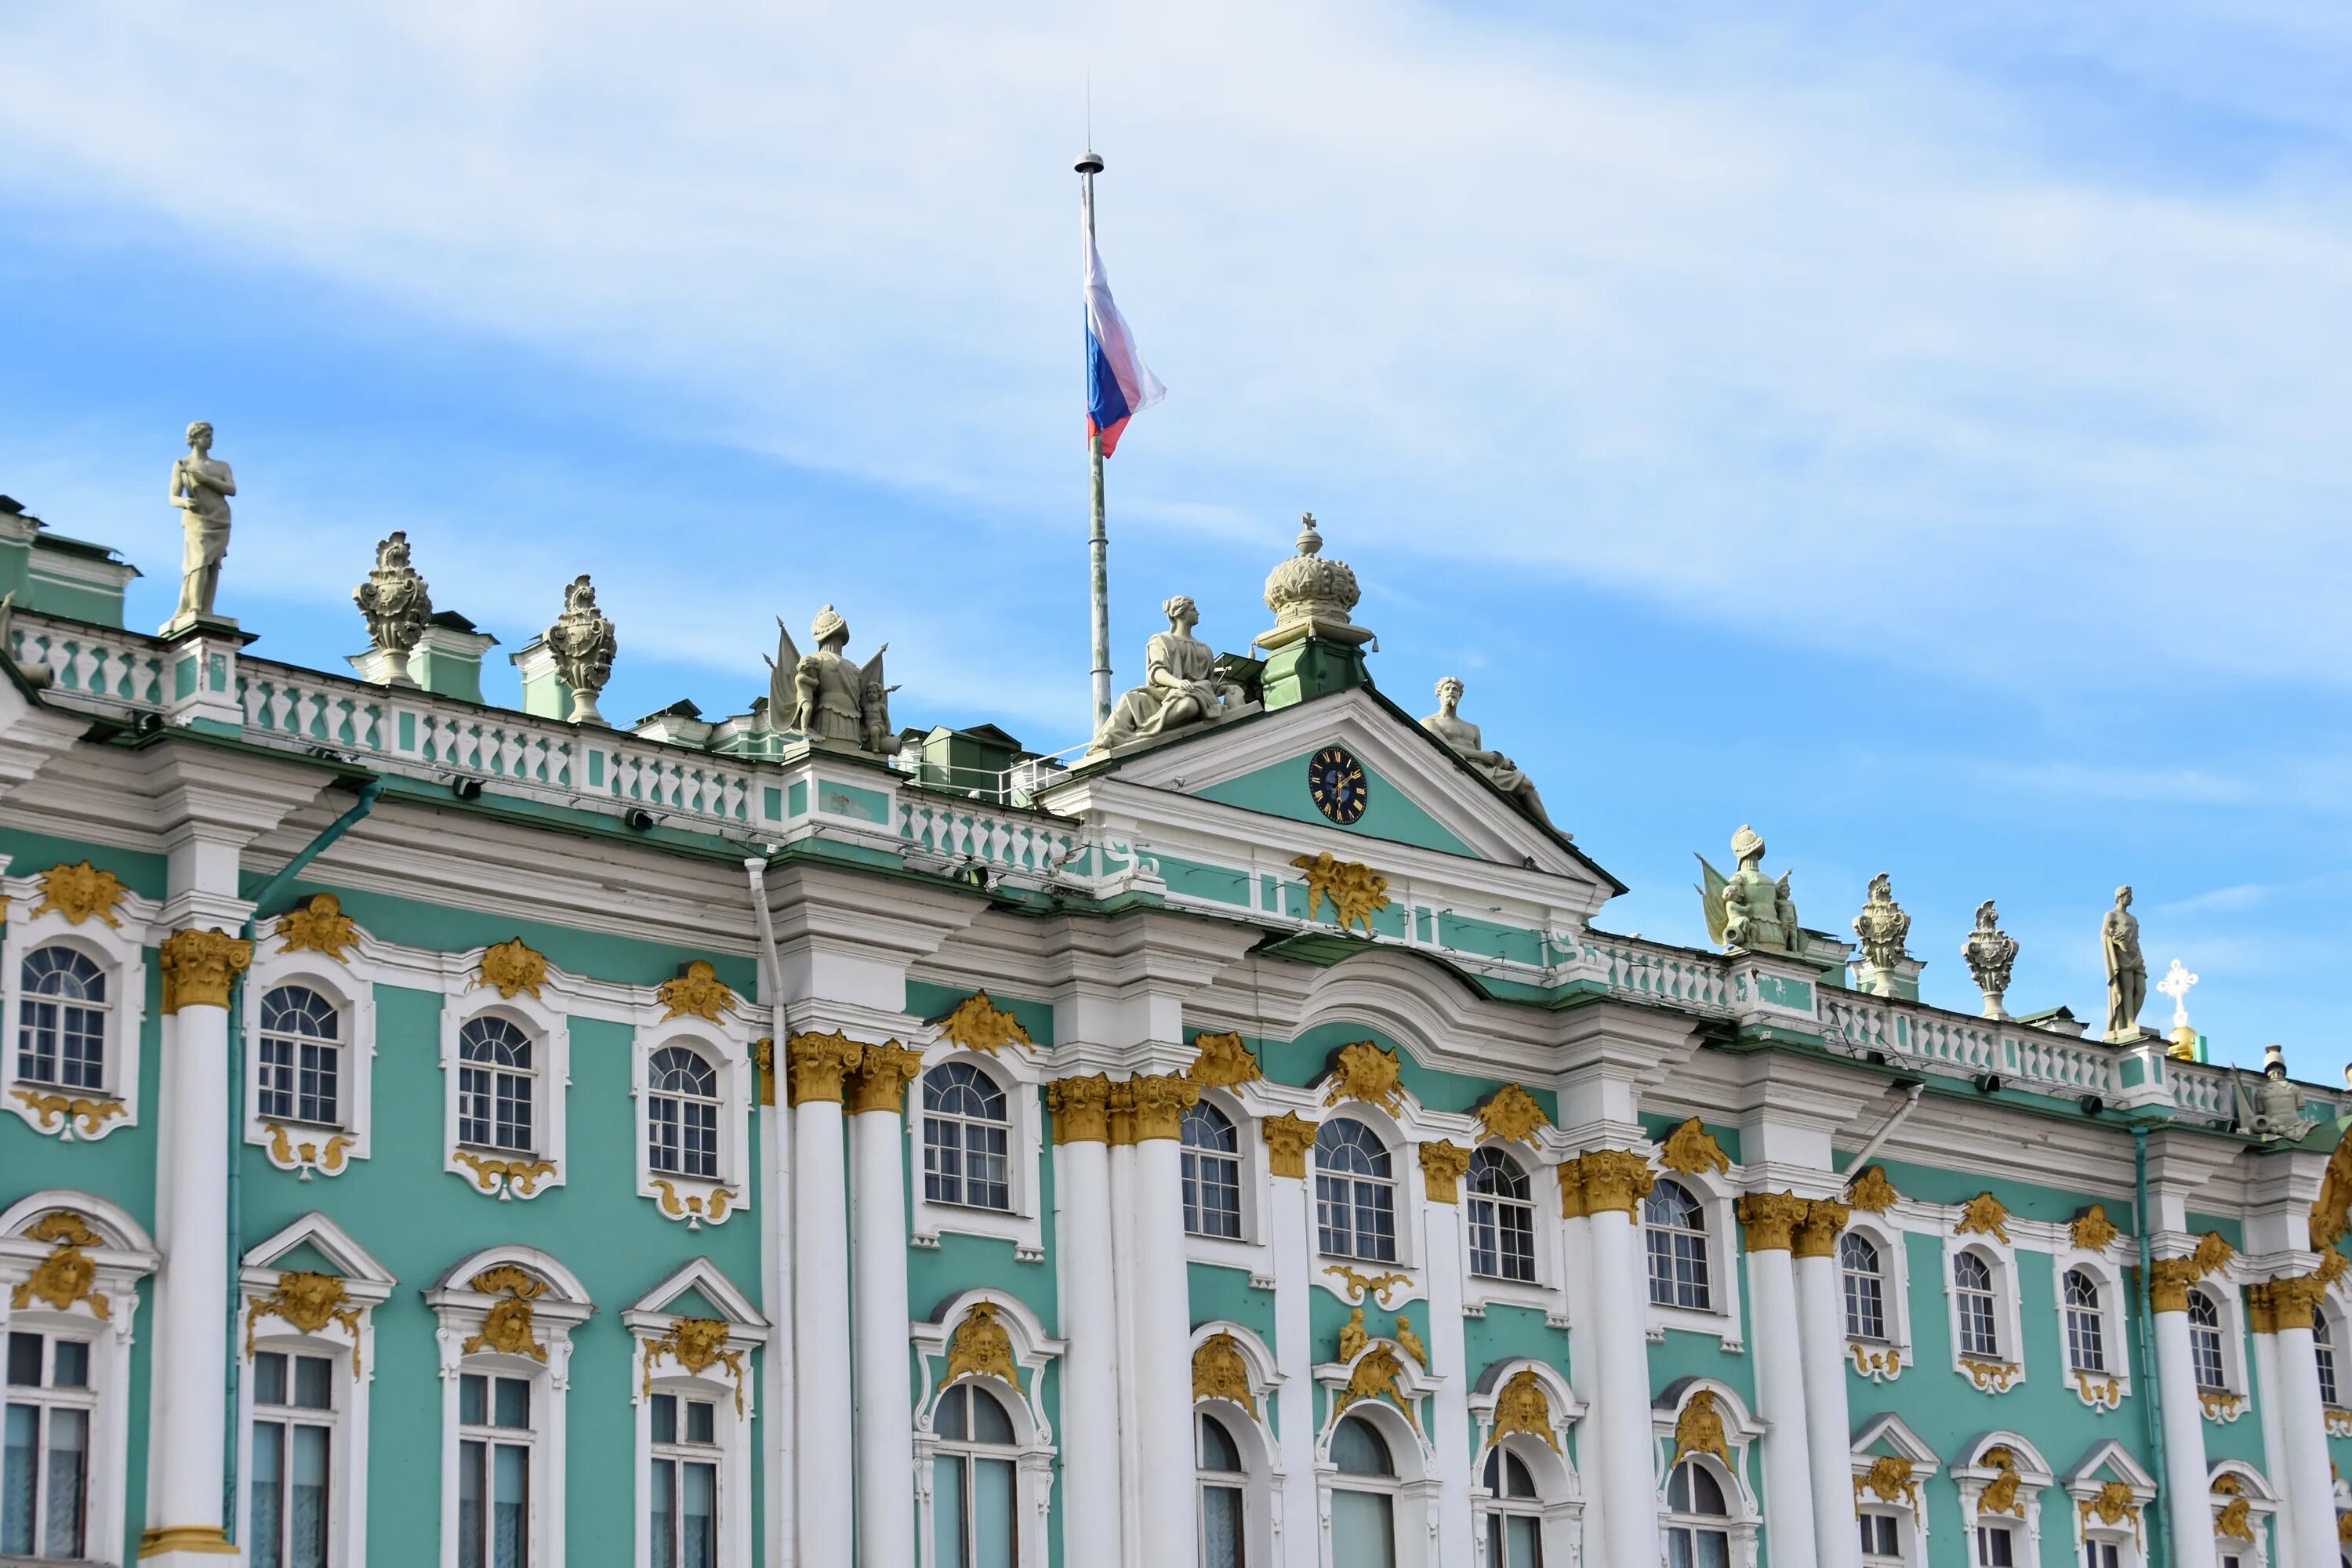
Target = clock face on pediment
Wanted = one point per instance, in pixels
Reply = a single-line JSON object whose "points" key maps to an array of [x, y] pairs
{"points": [[1338, 784]]}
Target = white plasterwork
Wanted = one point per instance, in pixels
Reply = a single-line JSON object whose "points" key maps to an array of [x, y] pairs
{"points": [[119, 950]]}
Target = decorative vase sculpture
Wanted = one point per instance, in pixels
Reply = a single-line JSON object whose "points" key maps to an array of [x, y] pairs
{"points": [[396, 604], [583, 645], [1989, 951], [1881, 926]]}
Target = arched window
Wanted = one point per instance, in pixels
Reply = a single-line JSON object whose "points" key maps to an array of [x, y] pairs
{"points": [[973, 1476], [496, 1084], [1514, 1516], [301, 1057], [1212, 1174], [1502, 1218], [61, 1021], [682, 1114], [965, 1136], [1355, 1194], [1866, 1287], [2205, 1342], [2323, 1344], [1972, 1292], [2087, 1323], [1223, 1491], [1674, 1227], [1698, 1535], [1363, 1498]]}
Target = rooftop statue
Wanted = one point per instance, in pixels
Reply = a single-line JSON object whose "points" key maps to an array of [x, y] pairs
{"points": [[2274, 1115], [2126, 969], [1748, 908], [583, 645], [397, 603], [1448, 725], [1990, 952], [1180, 687], [826, 696], [1882, 925], [201, 486]]}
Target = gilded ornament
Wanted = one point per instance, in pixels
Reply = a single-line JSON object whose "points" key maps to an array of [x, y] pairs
{"points": [[1991, 1376], [1287, 1139], [2235, 1521], [1512, 1114], [1353, 1336], [1984, 1215], [977, 1024], [508, 1279], [880, 1079], [1369, 1074], [2099, 1395], [2114, 1504], [2331, 1212], [306, 1155], [816, 1064], [1224, 1062], [1817, 1234], [80, 891], [763, 1061], [1612, 1180], [68, 1274], [1771, 1220], [199, 965], [1872, 1192], [1880, 1365], [2092, 1231], [1889, 1480], [2219, 1406], [2344, 1528], [1161, 1101], [696, 1345], [981, 1348], [2168, 1281], [1411, 1342], [513, 968], [2292, 1300], [1524, 1406], [2213, 1253], [1699, 1428], [308, 1301], [1356, 891], [58, 1112], [1219, 1372], [1443, 1167], [696, 993], [1081, 1108], [504, 1177], [1121, 1113], [693, 1208], [2332, 1264], [318, 926], [1375, 1377], [507, 1330], [1374, 1286], [2001, 1494], [2339, 1421], [1691, 1149]]}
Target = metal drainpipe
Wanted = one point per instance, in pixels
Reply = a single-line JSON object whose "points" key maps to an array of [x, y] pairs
{"points": [[229, 1379], [2142, 1319]]}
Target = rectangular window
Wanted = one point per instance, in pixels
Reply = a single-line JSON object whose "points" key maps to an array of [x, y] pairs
{"points": [[1978, 1337], [494, 1109], [1222, 1545], [2086, 1340], [684, 1524], [1363, 1529], [1996, 1547], [2101, 1554], [1881, 1540], [1355, 1218], [45, 1471], [1212, 1193], [1502, 1239], [2206, 1346], [293, 1438], [1865, 1306], [299, 1081], [494, 1449]]}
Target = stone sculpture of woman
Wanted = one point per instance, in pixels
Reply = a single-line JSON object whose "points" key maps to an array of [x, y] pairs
{"points": [[1448, 725], [2126, 969], [201, 486], [1180, 685]]}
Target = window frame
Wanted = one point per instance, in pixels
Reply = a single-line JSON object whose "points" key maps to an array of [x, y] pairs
{"points": [[1188, 1156], [1738, 1548], [1033, 1350], [1976, 1473], [350, 987], [1396, 1183], [2104, 1390], [2003, 1371], [1740, 1432], [1531, 1205], [726, 1049], [1017, 1074], [45, 1397], [1881, 1360], [119, 953], [1717, 1196], [1892, 1433], [1261, 1455], [549, 1033], [2110, 1461], [736, 1395], [1412, 1490], [2230, 1400]]}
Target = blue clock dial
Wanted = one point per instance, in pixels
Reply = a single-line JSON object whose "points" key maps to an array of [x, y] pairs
{"points": [[1338, 784]]}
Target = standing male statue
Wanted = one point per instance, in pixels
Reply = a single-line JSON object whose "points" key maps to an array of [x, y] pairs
{"points": [[2126, 969], [201, 486]]}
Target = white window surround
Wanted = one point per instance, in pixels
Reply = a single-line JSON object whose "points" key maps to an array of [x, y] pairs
{"points": [[124, 1257], [2262, 1502], [2007, 1371], [2230, 1307], [1882, 1361], [1891, 1432], [2339, 1333], [1032, 1352], [1543, 1292], [1559, 1487], [1397, 1137], [1717, 1197], [2115, 1320], [1261, 1455], [462, 1310], [551, 1038], [1976, 1472], [1254, 1250], [727, 1048], [351, 986], [119, 953], [1740, 1431], [2108, 1461], [366, 1284], [1415, 1488], [1020, 1074], [732, 1388]]}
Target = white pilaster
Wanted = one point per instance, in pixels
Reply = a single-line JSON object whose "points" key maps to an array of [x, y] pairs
{"points": [[2310, 1479], [1091, 1488], [1162, 1315], [1610, 1182], [1287, 1141], [1124, 1285], [1780, 1378], [2278, 1465], [1829, 1425], [1450, 1421], [1578, 1268], [821, 1344], [2187, 1492], [886, 1429]]}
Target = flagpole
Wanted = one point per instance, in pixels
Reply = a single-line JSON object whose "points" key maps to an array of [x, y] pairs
{"points": [[1097, 537]]}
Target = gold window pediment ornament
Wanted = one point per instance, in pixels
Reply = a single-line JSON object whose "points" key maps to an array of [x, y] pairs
{"points": [[1984, 1215], [2112, 1504], [199, 966], [1220, 1371], [1410, 1341], [1375, 1377], [978, 1024], [2092, 1231], [308, 1301], [980, 1347], [78, 891], [1871, 1192], [68, 1274], [2235, 1519], [1224, 1062], [58, 1112], [1891, 1478], [1999, 1495], [507, 1328], [1512, 1115], [696, 1345], [1353, 1336], [1699, 1428], [1691, 1149], [1356, 891], [1524, 1406], [1366, 1073], [696, 993], [319, 925], [513, 968]]}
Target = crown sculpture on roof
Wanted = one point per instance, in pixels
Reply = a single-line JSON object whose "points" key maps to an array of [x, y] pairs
{"points": [[583, 645], [396, 604], [1182, 689], [1463, 738], [826, 696], [1311, 596], [1748, 908]]}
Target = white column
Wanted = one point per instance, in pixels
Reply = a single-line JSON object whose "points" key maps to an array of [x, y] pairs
{"points": [[1287, 1141], [815, 1065], [1609, 1182], [184, 1453], [1583, 1357], [1442, 1167], [2291, 1303], [1829, 1425], [1162, 1316], [1090, 1490], [885, 1395], [1769, 1220], [2278, 1466], [1123, 1287], [2185, 1490]]}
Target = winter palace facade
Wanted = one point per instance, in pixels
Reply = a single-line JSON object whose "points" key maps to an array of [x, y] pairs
{"points": [[436, 1131]]}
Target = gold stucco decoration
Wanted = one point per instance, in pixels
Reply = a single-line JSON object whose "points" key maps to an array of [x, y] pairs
{"points": [[1512, 1114], [1356, 891], [696, 1345], [763, 1061], [1353, 1336], [507, 1329], [977, 1024], [1368, 1074], [1870, 1191], [2344, 1528], [692, 1208], [1224, 1062], [68, 1274], [307, 1154], [1889, 1480], [1771, 1220], [1081, 1108], [1999, 1495], [1611, 1181], [2331, 1212], [1817, 1234], [521, 1175], [80, 891], [199, 967], [58, 1112], [1691, 1149], [2113, 1505], [318, 926], [2093, 1231], [1699, 1428], [1991, 1376], [1984, 1215], [1443, 1165], [2213, 1253], [815, 1065], [696, 993], [1523, 1406], [1878, 1365], [1287, 1139], [1375, 1377], [2099, 1394], [1159, 1101], [1219, 1372], [513, 968], [1358, 1287], [981, 1348], [2219, 1406], [2289, 1302], [1410, 1341], [2235, 1521], [880, 1082], [308, 1301], [2169, 1278]]}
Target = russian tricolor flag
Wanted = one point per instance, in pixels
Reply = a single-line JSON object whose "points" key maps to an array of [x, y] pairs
{"points": [[1119, 385]]}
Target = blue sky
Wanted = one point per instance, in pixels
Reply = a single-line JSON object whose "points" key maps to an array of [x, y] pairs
{"points": [[1919, 435]]}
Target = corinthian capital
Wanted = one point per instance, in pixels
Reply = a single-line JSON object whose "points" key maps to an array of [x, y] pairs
{"points": [[199, 965]]}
